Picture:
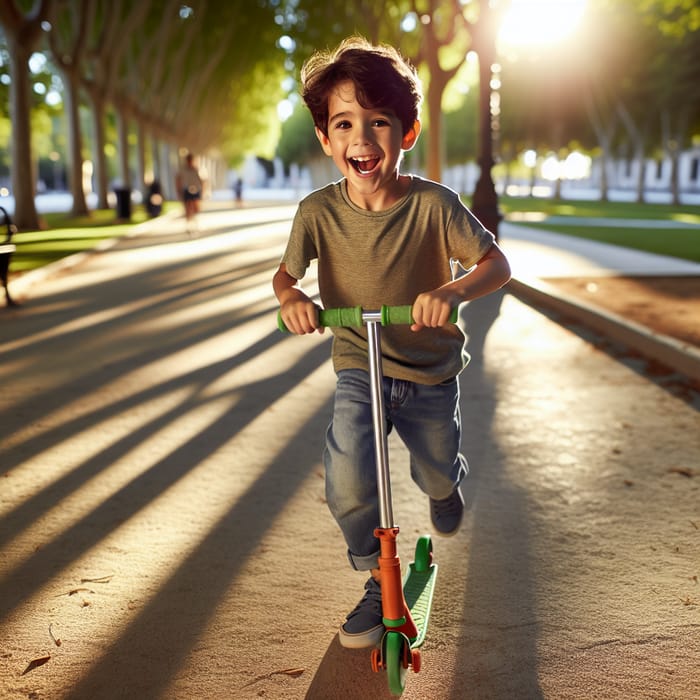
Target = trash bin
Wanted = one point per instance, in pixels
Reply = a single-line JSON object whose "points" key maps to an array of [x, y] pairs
{"points": [[123, 203]]}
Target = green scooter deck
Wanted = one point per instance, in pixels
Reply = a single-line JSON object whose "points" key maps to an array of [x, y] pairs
{"points": [[418, 590]]}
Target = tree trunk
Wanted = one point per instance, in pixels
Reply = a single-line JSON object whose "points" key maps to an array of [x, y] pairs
{"points": [[435, 142], [123, 141], [23, 182], [637, 137], [98, 156], [75, 144], [140, 154]]}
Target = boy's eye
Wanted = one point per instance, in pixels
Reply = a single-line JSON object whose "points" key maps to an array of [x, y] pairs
{"points": [[380, 122], [343, 124]]}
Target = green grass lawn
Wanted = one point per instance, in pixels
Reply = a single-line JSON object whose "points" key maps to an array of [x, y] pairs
{"points": [[65, 235], [677, 242]]}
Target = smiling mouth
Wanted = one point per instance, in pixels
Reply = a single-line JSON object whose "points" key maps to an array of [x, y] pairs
{"points": [[364, 165]]}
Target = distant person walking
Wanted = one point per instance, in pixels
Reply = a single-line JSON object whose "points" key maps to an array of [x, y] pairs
{"points": [[189, 188], [238, 192]]}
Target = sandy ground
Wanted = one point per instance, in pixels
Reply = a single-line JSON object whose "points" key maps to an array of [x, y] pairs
{"points": [[668, 305], [163, 531]]}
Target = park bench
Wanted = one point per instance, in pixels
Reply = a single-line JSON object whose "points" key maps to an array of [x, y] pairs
{"points": [[7, 247]]}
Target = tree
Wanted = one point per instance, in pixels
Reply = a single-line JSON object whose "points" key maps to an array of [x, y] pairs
{"points": [[23, 31], [444, 40], [110, 24], [67, 40], [675, 74]]}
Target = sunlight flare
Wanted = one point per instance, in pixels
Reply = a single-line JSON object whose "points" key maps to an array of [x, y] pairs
{"points": [[531, 23]]}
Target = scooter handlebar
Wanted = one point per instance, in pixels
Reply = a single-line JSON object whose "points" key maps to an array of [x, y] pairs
{"points": [[352, 316]]}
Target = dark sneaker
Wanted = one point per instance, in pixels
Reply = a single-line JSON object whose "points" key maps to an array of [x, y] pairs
{"points": [[364, 626], [447, 513]]}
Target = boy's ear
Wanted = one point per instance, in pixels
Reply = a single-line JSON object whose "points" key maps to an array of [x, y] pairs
{"points": [[323, 140], [410, 138]]}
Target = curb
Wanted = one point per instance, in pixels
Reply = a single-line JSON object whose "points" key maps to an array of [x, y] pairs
{"points": [[673, 353]]}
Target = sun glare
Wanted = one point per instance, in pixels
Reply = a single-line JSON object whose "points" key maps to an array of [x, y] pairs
{"points": [[538, 22]]}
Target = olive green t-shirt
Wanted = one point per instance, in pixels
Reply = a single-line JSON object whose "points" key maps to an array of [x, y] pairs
{"points": [[370, 258]]}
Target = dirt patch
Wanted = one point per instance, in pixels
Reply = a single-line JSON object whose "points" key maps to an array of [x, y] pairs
{"points": [[668, 305]]}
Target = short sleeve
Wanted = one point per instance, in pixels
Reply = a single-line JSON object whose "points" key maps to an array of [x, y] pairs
{"points": [[301, 249]]}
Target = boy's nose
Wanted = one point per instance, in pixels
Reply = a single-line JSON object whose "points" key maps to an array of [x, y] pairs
{"points": [[363, 134]]}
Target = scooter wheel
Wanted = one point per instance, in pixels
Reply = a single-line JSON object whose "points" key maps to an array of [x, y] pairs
{"points": [[424, 553], [415, 660], [377, 661], [396, 647]]}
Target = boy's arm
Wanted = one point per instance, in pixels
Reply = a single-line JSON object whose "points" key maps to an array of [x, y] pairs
{"points": [[432, 309], [299, 313]]}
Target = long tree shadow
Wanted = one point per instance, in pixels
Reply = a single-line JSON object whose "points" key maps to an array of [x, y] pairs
{"points": [[164, 636], [76, 303], [168, 284], [18, 584], [142, 295], [497, 653], [46, 402], [15, 520]]}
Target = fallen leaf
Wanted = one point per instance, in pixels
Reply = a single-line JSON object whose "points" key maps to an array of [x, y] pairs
{"points": [[293, 672], [35, 663], [101, 579], [73, 591], [683, 471], [56, 641]]}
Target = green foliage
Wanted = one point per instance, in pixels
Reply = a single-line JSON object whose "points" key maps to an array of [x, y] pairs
{"points": [[461, 130], [298, 142]]}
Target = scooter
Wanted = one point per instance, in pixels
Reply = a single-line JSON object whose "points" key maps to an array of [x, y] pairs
{"points": [[407, 600]]}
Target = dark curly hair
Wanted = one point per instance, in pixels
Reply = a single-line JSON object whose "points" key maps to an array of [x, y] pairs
{"points": [[381, 76]]}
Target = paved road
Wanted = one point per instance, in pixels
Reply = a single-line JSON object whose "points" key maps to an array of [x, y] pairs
{"points": [[158, 430]]}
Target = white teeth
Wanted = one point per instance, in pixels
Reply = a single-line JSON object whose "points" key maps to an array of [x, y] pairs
{"points": [[360, 161]]}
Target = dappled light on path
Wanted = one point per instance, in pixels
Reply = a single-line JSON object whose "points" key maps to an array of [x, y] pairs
{"points": [[159, 395]]}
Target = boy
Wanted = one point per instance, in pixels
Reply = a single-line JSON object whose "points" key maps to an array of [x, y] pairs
{"points": [[381, 237]]}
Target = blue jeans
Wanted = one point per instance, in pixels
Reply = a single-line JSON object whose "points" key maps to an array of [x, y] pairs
{"points": [[426, 418]]}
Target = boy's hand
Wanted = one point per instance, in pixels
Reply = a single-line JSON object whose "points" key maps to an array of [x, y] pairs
{"points": [[300, 314], [433, 309]]}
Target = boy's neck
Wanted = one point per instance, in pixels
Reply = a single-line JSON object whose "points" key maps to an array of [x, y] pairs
{"points": [[382, 199]]}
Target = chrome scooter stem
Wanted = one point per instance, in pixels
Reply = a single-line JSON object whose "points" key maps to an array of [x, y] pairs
{"points": [[374, 354]]}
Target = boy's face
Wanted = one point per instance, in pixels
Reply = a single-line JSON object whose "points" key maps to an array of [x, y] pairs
{"points": [[366, 146]]}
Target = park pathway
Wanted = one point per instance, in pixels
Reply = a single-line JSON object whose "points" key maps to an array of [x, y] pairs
{"points": [[162, 511]]}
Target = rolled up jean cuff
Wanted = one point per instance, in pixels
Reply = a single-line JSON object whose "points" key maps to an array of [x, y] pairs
{"points": [[364, 563]]}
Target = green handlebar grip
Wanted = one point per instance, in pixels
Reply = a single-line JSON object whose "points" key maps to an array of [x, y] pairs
{"points": [[348, 316], [343, 317], [404, 315], [352, 316], [396, 314]]}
